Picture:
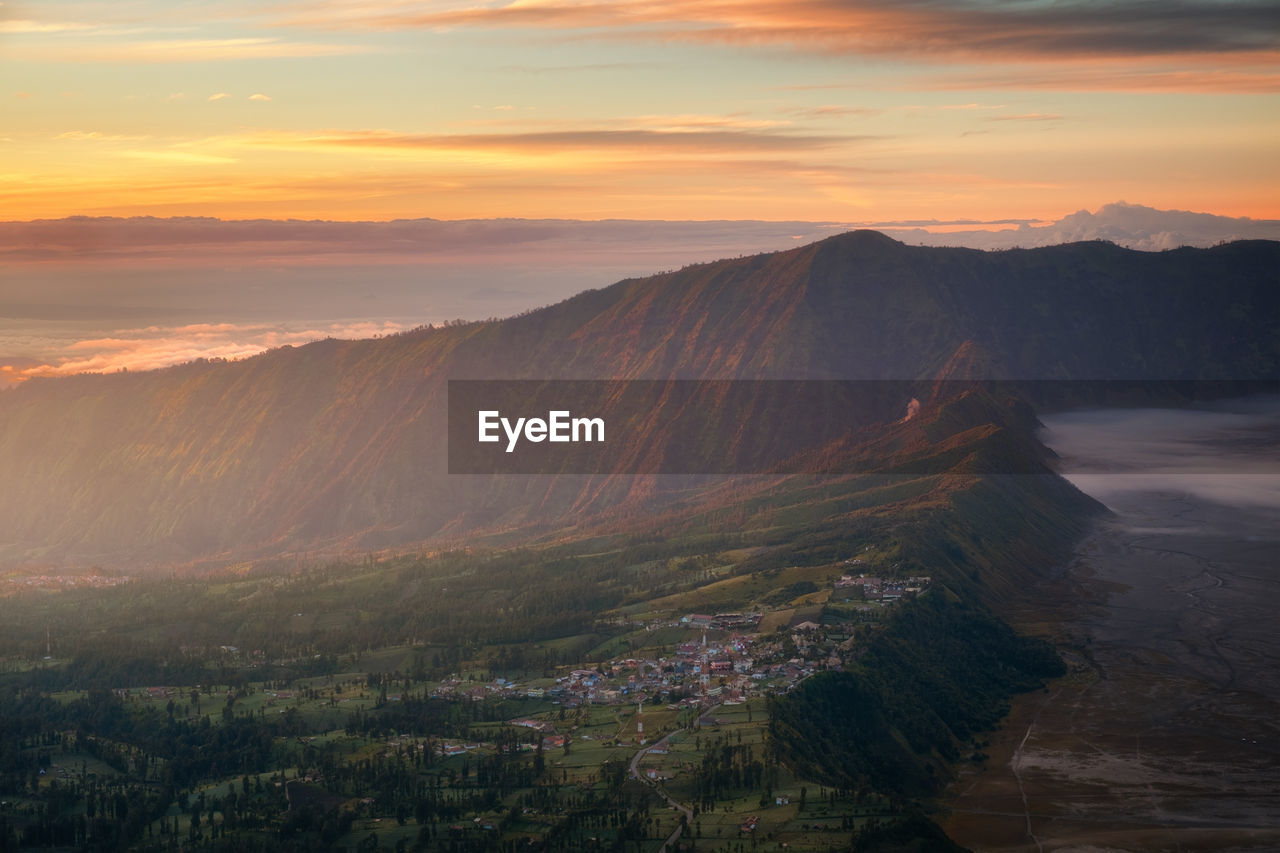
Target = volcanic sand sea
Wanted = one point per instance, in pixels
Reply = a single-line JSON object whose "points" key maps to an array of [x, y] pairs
{"points": [[1165, 734]]}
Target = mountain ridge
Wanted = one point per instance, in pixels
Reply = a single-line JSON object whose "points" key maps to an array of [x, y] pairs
{"points": [[339, 443]]}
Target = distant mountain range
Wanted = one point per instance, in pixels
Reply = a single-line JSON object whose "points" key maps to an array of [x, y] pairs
{"points": [[341, 444], [1130, 225], [101, 293]]}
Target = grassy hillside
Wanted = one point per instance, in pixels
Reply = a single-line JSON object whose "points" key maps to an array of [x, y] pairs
{"points": [[340, 445]]}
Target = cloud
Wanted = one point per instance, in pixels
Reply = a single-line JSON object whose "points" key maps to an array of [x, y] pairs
{"points": [[99, 242], [176, 156], [27, 27], [96, 136], [149, 50], [1021, 30], [1111, 452], [195, 287], [701, 121], [939, 223], [218, 96], [99, 294], [11, 370], [692, 139], [657, 122], [577, 69], [1114, 77], [258, 96], [1027, 117], [833, 111], [198, 240], [1123, 45], [1132, 225], [164, 346], [121, 33]]}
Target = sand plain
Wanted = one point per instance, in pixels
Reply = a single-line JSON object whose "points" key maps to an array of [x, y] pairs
{"points": [[1165, 734]]}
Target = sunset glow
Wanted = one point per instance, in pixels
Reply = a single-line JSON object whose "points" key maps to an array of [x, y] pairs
{"points": [[637, 109]]}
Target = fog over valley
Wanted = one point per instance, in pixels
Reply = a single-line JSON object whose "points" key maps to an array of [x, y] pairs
{"points": [[1228, 452], [1165, 731]]}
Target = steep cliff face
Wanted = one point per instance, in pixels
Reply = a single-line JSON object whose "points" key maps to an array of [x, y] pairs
{"points": [[342, 443]]}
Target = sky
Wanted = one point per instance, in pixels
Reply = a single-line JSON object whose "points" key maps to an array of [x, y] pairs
{"points": [[421, 161], [815, 110]]}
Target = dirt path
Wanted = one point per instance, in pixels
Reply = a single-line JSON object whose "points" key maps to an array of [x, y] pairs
{"points": [[676, 804]]}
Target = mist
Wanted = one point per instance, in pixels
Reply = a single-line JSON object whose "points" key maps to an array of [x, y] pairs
{"points": [[103, 294], [1227, 453]]}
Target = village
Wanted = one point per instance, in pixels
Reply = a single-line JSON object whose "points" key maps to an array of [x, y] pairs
{"points": [[656, 694], [727, 659], [719, 659], [16, 583]]}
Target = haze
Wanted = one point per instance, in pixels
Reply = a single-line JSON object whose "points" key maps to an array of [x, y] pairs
{"points": [[104, 294], [559, 146], [1228, 454]]}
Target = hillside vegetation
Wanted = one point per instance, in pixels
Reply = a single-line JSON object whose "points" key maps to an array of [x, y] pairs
{"points": [[340, 445]]}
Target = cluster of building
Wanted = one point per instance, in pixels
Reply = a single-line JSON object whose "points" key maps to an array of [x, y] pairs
{"points": [[16, 583], [883, 589], [728, 663], [722, 621], [696, 670], [499, 688]]}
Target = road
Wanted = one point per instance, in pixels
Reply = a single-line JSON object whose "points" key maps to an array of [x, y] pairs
{"points": [[704, 719]]}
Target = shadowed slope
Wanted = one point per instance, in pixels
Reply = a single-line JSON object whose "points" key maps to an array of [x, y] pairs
{"points": [[341, 444]]}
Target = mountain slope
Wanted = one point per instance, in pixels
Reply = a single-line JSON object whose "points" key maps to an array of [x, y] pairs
{"points": [[341, 444]]}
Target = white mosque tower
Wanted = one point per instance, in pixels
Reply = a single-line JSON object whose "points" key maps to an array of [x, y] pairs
{"points": [[706, 667]]}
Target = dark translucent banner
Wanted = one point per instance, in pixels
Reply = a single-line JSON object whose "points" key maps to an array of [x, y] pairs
{"points": [[775, 426]]}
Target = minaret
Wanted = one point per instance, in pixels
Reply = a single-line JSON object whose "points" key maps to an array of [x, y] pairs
{"points": [[706, 667], [48, 644]]}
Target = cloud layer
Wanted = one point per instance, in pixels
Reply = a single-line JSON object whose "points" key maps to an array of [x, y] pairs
{"points": [[1133, 226], [101, 294], [1020, 30], [163, 346], [637, 109]]}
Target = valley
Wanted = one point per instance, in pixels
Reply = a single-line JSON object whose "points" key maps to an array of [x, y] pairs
{"points": [[246, 607], [554, 694], [1163, 735]]}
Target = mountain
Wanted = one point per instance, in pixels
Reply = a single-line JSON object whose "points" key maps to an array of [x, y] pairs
{"points": [[341, 444], [1133, 226]]}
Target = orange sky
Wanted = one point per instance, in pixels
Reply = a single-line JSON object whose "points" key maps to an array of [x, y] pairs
{"points": [[642, 109]]}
